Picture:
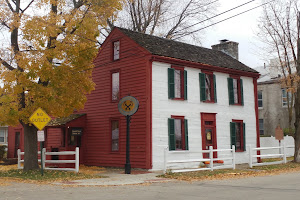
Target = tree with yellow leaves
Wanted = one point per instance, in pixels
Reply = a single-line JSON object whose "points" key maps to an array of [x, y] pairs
{"points": [[48, 61]]}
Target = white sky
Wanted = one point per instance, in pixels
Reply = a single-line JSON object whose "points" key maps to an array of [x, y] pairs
{"points": [[241, 29]]}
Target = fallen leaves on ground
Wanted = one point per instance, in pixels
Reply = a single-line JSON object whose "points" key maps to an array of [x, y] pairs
{"points": [[10, 173], [8, 167], [91, 170]]}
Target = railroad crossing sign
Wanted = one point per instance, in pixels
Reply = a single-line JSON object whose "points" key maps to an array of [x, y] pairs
{"points": [[128, 105], [40, 119]]}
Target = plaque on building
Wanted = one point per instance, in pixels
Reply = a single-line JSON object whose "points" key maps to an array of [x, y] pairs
{"points": [[76, 131]]}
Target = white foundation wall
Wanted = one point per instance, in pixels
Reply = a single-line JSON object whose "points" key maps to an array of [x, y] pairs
{"points": [[163, 108]]}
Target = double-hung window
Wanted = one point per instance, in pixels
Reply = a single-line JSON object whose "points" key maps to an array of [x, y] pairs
{"points": [[261, 126], [115, 86], [238, 135], [3, 135], [260, 99], [178, 133], [286, 96], [235, 91], [177, 81], [116, 50], [208, 92], [114, 135]]}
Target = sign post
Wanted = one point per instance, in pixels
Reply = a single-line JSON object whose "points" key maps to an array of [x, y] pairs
{"points": [[128, 106], [40, 119]]}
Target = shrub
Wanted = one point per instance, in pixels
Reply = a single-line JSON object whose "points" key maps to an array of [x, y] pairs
{"points": [[290, 132], [2, 151]]}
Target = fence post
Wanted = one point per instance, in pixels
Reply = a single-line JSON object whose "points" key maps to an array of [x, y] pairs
{"points": [[284, 152], [77, 159], [44, 158], [19, 159], [250, 156], [165, 159], [233, 157], [211, 164]]}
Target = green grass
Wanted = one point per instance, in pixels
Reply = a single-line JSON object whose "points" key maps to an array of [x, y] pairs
{"points": [[276, 159], [288, 166], [48, 175], [201, 174], [230, 173]]}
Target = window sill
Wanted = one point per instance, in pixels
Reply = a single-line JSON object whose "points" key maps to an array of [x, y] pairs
{"points": [[240, 151], [178, 99], [236, 104], [179, 150], [208, 101]]}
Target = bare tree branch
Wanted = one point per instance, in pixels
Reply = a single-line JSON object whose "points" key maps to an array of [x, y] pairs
{"points": [[27, 6], [5, 64], [9, 5]]}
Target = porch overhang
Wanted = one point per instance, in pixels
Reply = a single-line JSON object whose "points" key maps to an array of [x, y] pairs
{"points": [[73, 120]]}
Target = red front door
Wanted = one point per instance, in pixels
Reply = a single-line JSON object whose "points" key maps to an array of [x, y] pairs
{"points": [[208, 132]]}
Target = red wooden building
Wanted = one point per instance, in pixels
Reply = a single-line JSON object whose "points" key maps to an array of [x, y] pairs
{"points": [[166, 78]]}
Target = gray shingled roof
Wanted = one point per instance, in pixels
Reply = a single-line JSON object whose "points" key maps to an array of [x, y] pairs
{"points": [[64, 120], [173, 49]]}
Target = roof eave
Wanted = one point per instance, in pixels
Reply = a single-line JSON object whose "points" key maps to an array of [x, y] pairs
{"points": [[203, 66]]}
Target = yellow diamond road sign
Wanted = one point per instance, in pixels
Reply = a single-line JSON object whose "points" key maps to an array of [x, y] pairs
{"points": [[40, 119]]}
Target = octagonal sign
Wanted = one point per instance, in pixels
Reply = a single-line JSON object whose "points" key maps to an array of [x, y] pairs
{"points": [[40, 119]]}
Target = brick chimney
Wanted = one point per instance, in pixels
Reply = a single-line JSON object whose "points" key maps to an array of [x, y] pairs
{"points": [[229, 47]]}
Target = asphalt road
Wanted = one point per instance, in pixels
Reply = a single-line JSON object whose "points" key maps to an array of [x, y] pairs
{"points": [[283, 187]]}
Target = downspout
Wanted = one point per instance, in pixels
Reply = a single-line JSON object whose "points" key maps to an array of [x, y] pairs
{"points": [[256, 117]]}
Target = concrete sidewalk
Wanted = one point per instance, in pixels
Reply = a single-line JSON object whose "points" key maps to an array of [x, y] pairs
{"points": [[117, 178]]}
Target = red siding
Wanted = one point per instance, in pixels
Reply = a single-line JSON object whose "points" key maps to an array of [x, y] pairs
{"points": [[54, 139], [11, 140], [133, 66]]}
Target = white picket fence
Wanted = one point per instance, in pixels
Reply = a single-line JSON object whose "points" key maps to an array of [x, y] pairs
{"points": [[199, 159], [45, 161], [282, 154]]}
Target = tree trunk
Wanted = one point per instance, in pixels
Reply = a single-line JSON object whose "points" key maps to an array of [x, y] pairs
{"points": [[297, 129], [30, 148], [297, 105]]}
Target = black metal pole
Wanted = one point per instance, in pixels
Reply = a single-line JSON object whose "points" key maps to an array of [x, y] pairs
{"points": [[128, 165], [41, 149]]}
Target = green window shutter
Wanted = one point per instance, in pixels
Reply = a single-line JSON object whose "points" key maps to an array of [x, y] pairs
{"points": [[244, 135], [171, 125], [242, 91], [230, 91], [186, 134], [215, 88], [171, 83], [202, 87], [185, 85], [232, 135]]}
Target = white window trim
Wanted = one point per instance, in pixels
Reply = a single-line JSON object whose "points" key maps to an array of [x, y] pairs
{"points": [[5, 135]]}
